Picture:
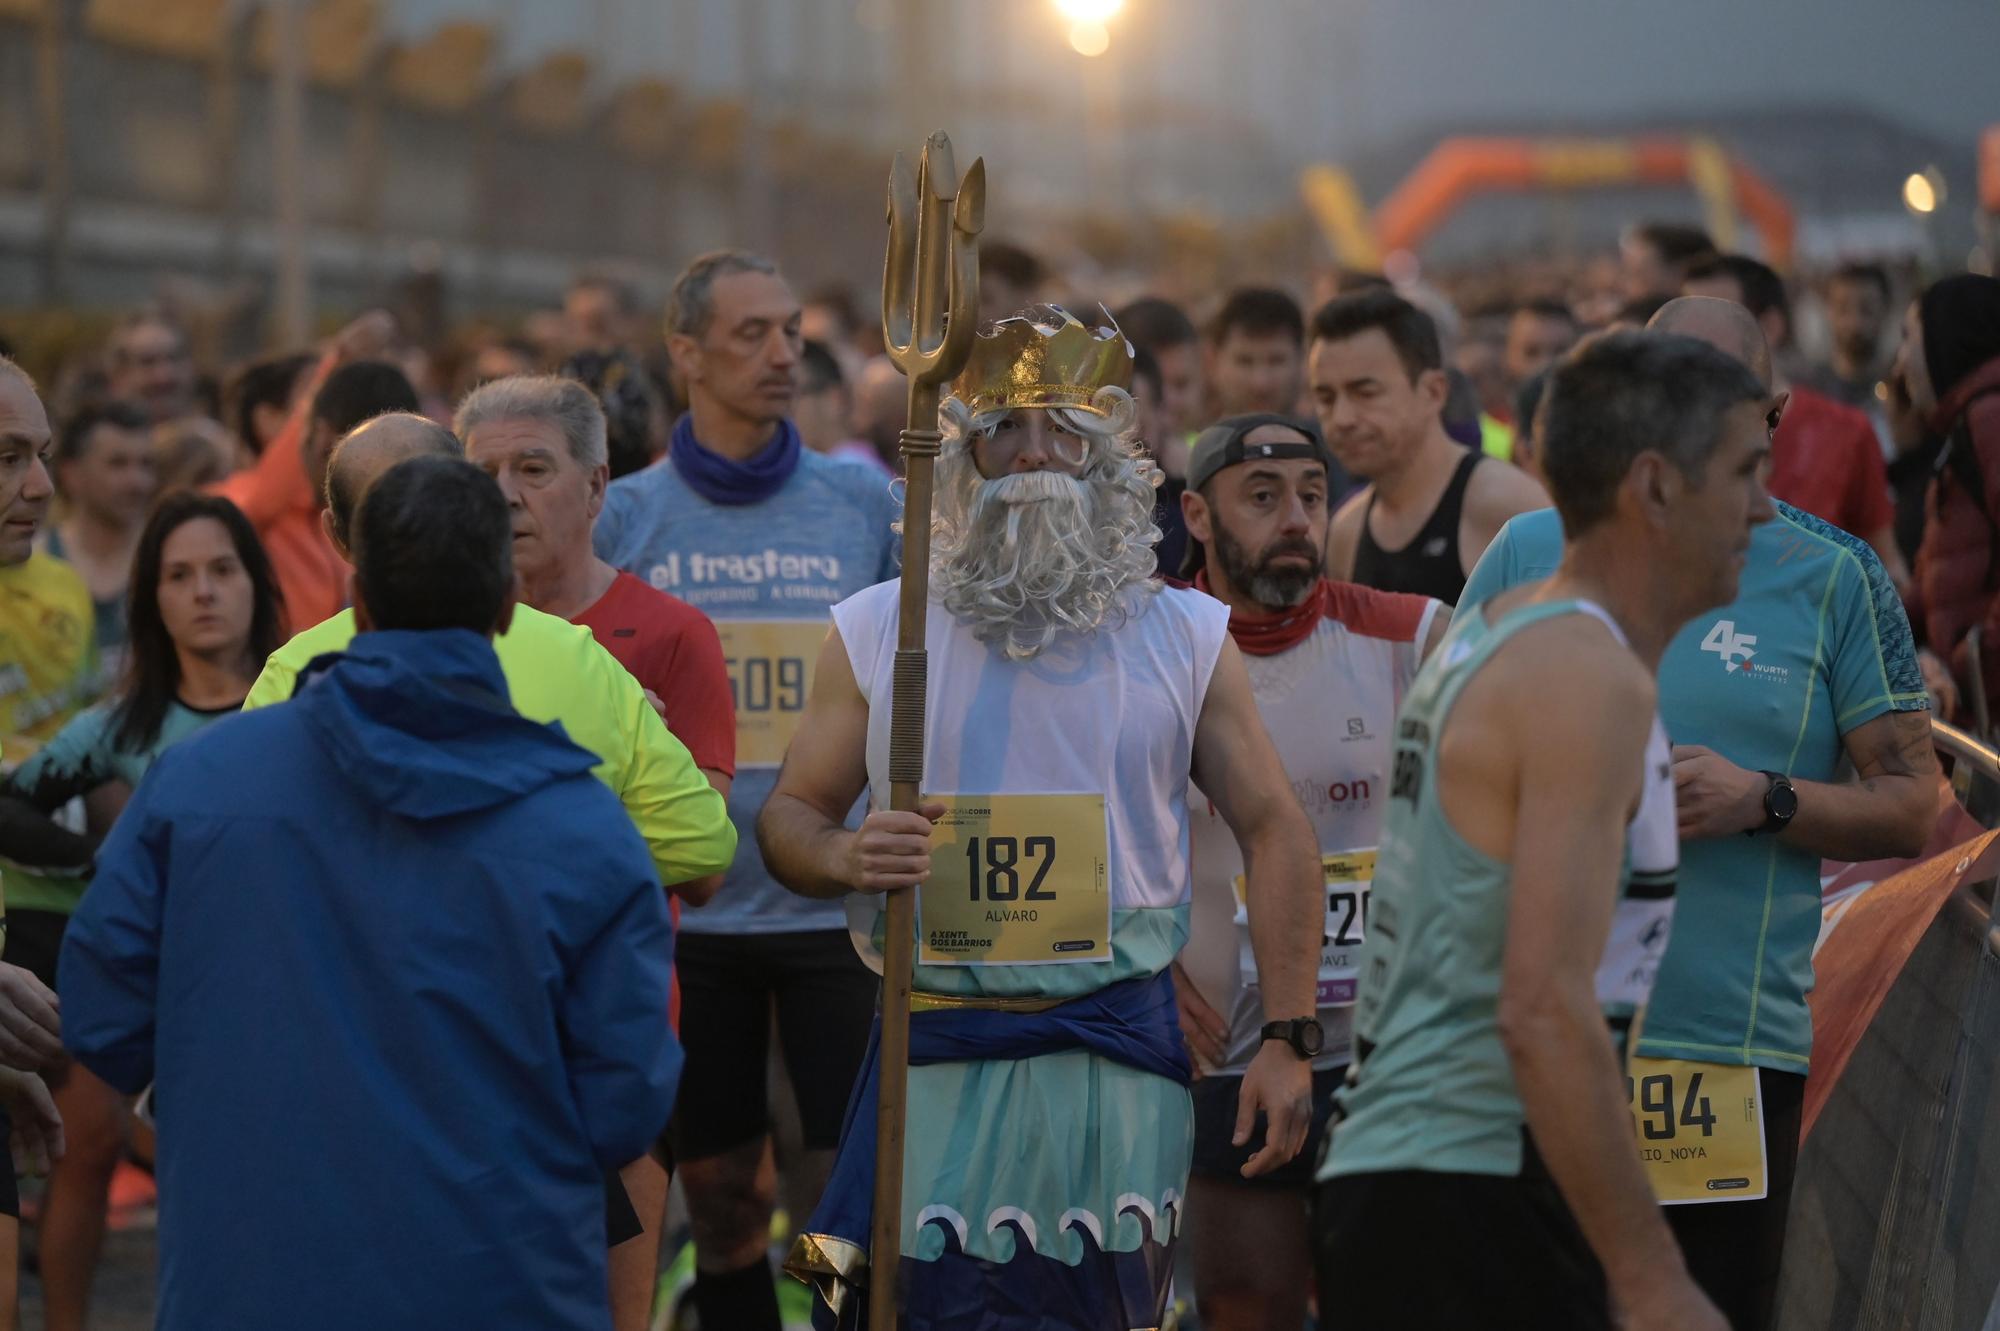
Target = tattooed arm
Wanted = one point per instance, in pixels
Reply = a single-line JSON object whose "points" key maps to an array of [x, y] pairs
{"points": [[1889, 807], [1886, 812]]}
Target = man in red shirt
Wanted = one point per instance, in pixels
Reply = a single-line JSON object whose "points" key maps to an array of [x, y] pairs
{"points": [[543, 438], [1825, 457]]}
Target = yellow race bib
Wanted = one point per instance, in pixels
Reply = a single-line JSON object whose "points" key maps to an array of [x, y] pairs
{"points": [[1349, 874], [1700, 1130], [770, 663], [1016, 880], [1348, 878]]}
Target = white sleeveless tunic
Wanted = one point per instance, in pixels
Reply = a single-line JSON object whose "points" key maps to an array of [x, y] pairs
{"points": [[1330, 706], [1059, 1178], [1112, 712]]}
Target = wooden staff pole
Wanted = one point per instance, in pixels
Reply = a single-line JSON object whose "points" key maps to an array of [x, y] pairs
{"points": [[930, 295]]}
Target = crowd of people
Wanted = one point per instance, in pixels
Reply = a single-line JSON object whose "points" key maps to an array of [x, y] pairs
{"points": [[1378, 765]]}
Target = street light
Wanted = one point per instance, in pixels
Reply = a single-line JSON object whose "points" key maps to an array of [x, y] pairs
{"points": [[1923, 191], [1089, 34], [1088, 37], [1923, 194], [1919, 195]]}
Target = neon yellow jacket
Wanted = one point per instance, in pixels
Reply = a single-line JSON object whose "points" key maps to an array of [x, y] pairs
{"points": [[556, 672]]}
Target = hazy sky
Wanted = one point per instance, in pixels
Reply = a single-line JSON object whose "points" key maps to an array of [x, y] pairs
{"points": [[1934, 64], [1310, 70]]}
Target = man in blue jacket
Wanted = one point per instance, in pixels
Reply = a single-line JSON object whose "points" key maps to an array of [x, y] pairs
{"points": [[397, 965]]}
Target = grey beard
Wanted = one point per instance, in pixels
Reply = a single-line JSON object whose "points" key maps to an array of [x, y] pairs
{"points": [[1037, 557], [1276, 589], [1282, 591]]}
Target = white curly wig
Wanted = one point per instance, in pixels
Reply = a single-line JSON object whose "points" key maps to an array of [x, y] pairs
{"points": [[1019, 558]]}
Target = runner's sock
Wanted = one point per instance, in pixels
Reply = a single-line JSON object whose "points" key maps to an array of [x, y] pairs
{"points": [[745, 1300]]}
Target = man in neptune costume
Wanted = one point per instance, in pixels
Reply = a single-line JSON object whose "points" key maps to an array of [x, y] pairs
{"points": [[1071, 699]]}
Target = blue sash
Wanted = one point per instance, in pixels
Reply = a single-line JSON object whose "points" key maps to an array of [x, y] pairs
{"points": [[1134, 1022]]}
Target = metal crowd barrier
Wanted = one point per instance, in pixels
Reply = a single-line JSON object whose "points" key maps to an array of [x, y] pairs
{"points": [[1975, 770], [1962, 747], [1896, 1195], [1976, 692], [1975, 779]]}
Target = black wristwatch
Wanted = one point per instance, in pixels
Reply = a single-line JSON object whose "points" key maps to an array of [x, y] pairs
{"points": [[1781, 805], [1303, 1034]]}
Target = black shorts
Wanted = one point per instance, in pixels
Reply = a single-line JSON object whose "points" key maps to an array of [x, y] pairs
{"points": [[730, 983], [1409, 1250], [1733, 1249], [34, 941], [1215, 1124]]}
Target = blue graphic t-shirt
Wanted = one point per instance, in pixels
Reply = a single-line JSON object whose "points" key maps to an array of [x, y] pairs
{"points": [[1815, 645], [767, 574]]}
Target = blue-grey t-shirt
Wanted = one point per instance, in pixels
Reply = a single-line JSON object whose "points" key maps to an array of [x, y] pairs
{"points": [[768, 574], [1815, 645]]}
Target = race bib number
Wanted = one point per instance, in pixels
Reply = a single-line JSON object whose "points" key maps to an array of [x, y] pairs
{"points": [[770, 663], [1349, 874], [1016, 880], [1700, 1130], [1348, 879]]}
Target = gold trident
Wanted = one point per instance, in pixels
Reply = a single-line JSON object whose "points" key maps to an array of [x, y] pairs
{"points": [[930, 307]]}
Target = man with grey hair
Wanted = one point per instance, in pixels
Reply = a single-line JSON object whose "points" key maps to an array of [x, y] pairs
{"points": [[554, 672], [1524, 892], [1806, 669], [543, 439], [764, 536]]}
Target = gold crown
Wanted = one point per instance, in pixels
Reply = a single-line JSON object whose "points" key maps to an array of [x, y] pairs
{"points": [[1043, 357]]}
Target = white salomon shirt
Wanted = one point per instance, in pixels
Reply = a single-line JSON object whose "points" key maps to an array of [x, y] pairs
{"points": [[1330, 706]]}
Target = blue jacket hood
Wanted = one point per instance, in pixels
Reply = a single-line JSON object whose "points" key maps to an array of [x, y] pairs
{"points": [[420, 722]]}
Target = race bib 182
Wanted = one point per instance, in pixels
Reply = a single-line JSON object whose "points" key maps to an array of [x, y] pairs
{"points": [[1016, 880]]}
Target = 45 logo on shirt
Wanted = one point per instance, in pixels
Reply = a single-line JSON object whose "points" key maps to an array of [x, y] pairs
{"points": [[1734, 648]]}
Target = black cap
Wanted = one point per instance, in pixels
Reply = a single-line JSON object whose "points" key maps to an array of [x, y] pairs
{"points": [[1221, 446]]}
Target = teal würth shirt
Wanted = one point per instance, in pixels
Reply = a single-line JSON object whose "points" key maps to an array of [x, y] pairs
{"points": [[1815, 645]]}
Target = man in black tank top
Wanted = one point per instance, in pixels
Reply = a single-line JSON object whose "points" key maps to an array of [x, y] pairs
{"points": [[1431, 506], [1429, 565]]}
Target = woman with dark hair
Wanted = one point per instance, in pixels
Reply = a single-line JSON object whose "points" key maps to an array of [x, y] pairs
{"points": [[204, 613]]}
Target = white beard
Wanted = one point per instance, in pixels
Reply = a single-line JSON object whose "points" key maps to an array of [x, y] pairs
{"points": [[1021, 557]]}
